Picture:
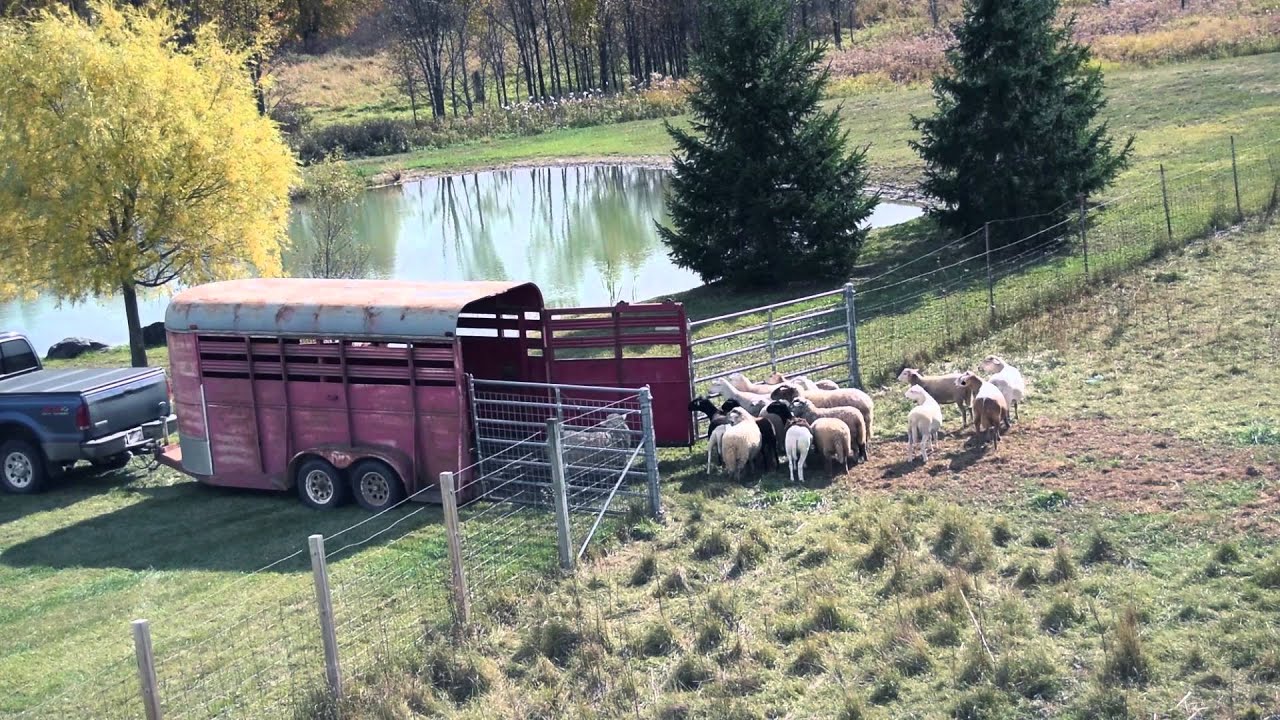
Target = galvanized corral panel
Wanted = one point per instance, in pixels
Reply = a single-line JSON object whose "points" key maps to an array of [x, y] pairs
{"points": [[297, 307]]}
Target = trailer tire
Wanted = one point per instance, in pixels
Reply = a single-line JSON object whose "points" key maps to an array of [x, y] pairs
{"points": [[375, 485], [22, 467], [320, 485]]}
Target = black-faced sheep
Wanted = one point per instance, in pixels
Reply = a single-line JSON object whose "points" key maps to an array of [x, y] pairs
{"points": [[715, 416]]}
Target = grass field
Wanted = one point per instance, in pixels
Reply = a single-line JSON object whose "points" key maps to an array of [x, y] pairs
{"points": [[1182, 115], [1115, 559]]}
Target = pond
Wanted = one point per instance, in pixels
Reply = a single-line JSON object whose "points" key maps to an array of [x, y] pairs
{"points": [[584, 234]]}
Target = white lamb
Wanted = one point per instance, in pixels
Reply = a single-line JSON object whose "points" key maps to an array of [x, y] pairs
{"points": [[923, 422], [741, 443], [799, 440], [1008, 379], [753, 403]]}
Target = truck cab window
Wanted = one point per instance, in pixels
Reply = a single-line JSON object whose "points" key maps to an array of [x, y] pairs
{"points": [[18, 357]]}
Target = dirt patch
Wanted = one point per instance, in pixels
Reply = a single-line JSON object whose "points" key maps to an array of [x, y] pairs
{"points": [[1092, 462]]}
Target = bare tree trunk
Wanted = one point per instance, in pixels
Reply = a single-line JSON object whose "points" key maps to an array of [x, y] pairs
{"points": [[137, 350]]}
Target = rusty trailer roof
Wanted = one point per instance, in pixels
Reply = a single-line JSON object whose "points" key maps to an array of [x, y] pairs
{"points": [[303, 307]]}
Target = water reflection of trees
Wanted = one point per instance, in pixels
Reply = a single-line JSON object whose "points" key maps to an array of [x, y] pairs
{"points": [[582, 233], [377, 228], [580, 225]]}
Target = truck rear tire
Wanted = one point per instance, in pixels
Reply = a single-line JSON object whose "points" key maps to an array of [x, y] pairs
{"points": [[320, 485], [375, 485], [22, 469]]}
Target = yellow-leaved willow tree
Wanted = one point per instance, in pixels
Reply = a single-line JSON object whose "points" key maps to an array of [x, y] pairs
{"points": [[128, 161]]}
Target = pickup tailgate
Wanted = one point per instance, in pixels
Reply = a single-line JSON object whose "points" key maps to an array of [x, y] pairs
{"points": [[118, 399]]}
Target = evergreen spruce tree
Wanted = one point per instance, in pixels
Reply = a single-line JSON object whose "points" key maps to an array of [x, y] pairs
{"points": [[764, 186], [1015, 131]]}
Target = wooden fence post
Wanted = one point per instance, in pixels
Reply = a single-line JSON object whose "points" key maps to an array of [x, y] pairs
{"points": [[1164, 193], [324, 604], [146, 669], [1235, 178], [461, 593], [555, 456]]}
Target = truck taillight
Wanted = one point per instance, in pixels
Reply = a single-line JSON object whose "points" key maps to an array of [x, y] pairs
{"points": [[82, 417]]}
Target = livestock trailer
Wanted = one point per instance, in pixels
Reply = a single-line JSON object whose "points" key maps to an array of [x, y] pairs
{"points": [[344, 388]]}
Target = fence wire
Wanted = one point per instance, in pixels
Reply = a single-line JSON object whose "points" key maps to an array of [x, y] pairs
{"points": [[959, 291]]}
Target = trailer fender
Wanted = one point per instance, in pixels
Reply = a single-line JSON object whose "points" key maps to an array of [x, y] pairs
{"points": [[344, 456]]}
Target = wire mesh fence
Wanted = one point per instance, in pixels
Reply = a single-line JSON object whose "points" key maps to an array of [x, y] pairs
{"points": [[587, 453], [965, 288]]}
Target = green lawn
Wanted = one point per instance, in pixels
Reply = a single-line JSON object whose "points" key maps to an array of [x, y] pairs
{"points": [[1115, 559], [1182, 114]]}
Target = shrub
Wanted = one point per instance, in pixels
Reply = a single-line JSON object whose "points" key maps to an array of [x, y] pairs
{"points": [[691, 673], [713, 544], [1061, 614], [674, 583], [851, 708], [659, 639], [886, 689], [1268, 574], [1064, 568], [1028, 576], [645, 570], [552, 639], [808, 661], [827, 617], [726, 606], [944, 634], [911, 655], [751, 551], [459, 673], [1041, 539], [960, 543], [981, 704], [1001, 534], [1226, 553], [711, 632], [819, 554], [1102, 704], [1127, 662], [1031, 673], [1100, 549], [1050, 499]]}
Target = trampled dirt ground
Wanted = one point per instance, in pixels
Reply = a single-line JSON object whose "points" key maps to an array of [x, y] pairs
{"points": [[1092, 461]]}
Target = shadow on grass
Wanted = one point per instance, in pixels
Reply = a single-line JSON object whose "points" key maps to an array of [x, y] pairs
{"points": [[188, 526], [79, 484]]}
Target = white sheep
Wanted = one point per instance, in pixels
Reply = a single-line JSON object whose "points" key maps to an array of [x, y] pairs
{"points": [[582, 445], [714, 442], [1008, 379], [850, 416], [923, 422], [804, 382], [942, 388], [799, 440], [753, 403], [833, 440], [844, 397], [990, 409], [744, 383], [825, 384], [741, 443]]}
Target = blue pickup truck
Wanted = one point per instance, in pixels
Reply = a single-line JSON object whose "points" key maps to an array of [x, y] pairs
{"points": [[52, 419]]}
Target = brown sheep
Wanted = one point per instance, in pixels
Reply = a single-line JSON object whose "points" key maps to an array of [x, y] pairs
{"points": [[844, 397], [990, 410]]}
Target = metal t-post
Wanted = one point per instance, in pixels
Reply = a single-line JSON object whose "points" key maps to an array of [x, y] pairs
{"points": [[991, 283], [650, 451], [851, 333], [1084, 238], [559, 496], [1164, 195], [1235, 178]]}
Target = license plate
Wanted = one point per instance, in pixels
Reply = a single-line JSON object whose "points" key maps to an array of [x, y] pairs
{"points": [[133, 437]]}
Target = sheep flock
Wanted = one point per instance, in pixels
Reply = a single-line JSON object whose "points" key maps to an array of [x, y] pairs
{"points": [[756, 422]]}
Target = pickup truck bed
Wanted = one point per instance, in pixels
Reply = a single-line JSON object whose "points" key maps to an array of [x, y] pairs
{"points": [[100, 415]]}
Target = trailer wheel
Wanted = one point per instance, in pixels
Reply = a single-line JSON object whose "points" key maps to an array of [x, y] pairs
{"points": [[22, 467], [375, 485], [320, 485]]}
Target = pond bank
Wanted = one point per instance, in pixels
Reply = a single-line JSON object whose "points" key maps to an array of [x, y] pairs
{"points": [[890, 192]]}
